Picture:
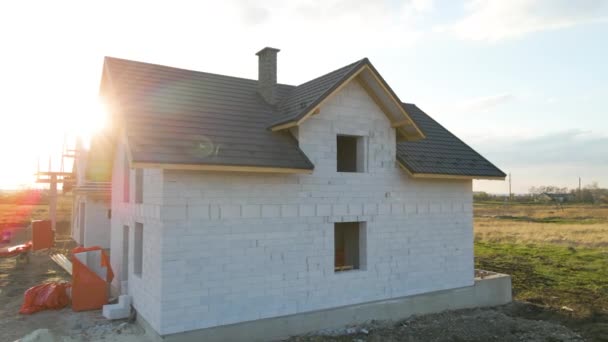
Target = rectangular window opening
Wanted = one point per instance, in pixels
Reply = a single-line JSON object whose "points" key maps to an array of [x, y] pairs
{"points": [[139, 186], [125, 253], [350, 153], [126, 181], [349, 246], [81, 216], [138, 250]]}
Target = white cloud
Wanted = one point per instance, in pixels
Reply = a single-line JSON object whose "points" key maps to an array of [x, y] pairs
{"points": [[571, 147], [556, 158], [489, 20], [480, 104], [423, 5]]}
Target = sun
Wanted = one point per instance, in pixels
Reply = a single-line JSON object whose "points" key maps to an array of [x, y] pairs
{"points": [[87, 119], [98, 120]]}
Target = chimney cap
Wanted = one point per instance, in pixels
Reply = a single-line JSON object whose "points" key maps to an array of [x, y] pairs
{"points": [[266, 50]]}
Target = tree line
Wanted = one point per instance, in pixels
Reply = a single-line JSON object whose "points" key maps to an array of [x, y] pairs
{"points": [[590, 193]]}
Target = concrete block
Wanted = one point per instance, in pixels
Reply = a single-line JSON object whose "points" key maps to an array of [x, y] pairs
{"points": [[228, 211], [355, 209], [271, 211], [370, 209], [289, 210], [120, 310], [251, 211], [323, 209], [384, 209], [198, 212], [306, 210], [173, 212], [339, 209]]}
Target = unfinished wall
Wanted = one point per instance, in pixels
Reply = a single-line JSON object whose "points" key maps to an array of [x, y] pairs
{"points": [[96, 223], [239, 247], [145, 289], [76, 218]]}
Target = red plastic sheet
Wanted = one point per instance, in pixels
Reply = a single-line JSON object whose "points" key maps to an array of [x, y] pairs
{"points": [[48, 296], [105, 260], [89, 291], [16, 250], [43, 235]]}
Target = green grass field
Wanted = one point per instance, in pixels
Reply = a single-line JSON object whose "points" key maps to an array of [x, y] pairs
{"points": [[557, 259], [551, 275]]}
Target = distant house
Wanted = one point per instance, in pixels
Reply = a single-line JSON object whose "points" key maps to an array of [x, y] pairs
{"points": [[555, 197], [239, 201]]}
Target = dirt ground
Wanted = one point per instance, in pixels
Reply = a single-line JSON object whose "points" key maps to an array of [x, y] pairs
{"points": [[507, 323], [65, 325], [514, 322]]}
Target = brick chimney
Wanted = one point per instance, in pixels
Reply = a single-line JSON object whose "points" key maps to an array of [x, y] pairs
{"points": [[267, 74]]}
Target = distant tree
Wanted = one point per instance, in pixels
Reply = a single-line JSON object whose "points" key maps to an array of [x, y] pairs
{"points": [[593, 193], [550, 189], [481, 196]]}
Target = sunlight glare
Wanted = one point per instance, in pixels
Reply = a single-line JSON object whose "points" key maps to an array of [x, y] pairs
{"points": [[94, 122]]}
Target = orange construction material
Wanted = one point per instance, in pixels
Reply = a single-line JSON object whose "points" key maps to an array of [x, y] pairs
{"points": [[42, 235], [89, 289], [16, 250], [44, 297]]}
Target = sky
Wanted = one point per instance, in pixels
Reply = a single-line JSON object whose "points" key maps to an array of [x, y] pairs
{"points": [[524, 82]]}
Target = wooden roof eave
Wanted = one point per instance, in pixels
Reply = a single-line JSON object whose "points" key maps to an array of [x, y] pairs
{"points": [[389, 94], [446, 176], [210, 167]]}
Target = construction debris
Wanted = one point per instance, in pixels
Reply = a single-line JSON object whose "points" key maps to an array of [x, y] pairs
{"points": [[63, 262], [120, 310]]}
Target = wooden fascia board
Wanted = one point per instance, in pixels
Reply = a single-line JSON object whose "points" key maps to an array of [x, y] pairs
{"points": [[401, 123], [443, 176], [228, 168], [330, 95], [398, 103], [316, 109], [284, 126]]}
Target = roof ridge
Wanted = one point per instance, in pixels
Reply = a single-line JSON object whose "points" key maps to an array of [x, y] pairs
{"points": [[342, 73], [365, 59], [110, 58]]}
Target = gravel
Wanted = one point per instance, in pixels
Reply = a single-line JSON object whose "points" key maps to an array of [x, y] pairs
{"points": [[492, 324]]}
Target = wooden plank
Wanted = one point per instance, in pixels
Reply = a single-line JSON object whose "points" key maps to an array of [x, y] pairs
{"points": [[63, 262], [396, 101], [444, 176], [405, 122], [344, 268], [202, 167]]}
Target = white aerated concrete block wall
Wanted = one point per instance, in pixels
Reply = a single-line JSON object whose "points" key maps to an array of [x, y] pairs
{"points": [[97, 223], [144, 289], [242, 246]]}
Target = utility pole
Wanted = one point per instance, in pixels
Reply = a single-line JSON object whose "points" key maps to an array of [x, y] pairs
{"points": [[579, 188], [510, 193], [53, 179]]}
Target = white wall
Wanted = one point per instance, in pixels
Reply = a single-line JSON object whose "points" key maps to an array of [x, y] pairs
{"points": [[76, 235], [97, 223], [239, 246], [145, 289]]}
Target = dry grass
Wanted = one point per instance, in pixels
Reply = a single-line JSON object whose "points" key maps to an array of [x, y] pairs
{"points": [[556, 258], [567, 211], [17, 214], [577, 225]]}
